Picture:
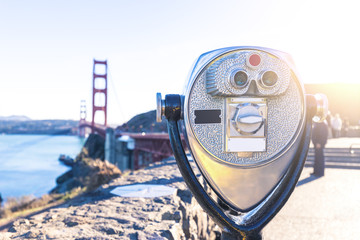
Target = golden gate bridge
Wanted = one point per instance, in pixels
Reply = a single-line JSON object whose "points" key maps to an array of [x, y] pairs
{"points": [[148, 148]]}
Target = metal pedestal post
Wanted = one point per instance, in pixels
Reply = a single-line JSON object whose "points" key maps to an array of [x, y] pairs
{"points": [[231, 236]]}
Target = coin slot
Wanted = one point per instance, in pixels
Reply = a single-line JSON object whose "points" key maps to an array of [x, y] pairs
{"points": [[207, 116]]}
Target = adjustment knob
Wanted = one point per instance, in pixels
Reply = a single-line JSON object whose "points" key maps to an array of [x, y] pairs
{"points": [[247, 118]]}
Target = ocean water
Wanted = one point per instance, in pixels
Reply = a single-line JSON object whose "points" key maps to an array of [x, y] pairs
{"points": [[29, 164]]}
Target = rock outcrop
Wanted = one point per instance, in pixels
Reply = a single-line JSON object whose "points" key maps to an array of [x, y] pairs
{"points": [[89, 169], [102, 215]]}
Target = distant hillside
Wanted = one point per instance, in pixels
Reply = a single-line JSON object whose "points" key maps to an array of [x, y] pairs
{"points": [[51, 127], [15, 118], [144, 122]]}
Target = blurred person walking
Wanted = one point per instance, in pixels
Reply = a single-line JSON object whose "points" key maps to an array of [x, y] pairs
{"points": [[329, 118], [345, 127], [336, 124], [319, 139]]}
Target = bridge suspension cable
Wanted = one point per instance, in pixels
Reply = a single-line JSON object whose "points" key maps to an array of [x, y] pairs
{"points": [[120, 107]]}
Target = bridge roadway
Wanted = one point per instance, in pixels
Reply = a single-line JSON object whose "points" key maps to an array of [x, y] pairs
{"points": [[151, 148]]}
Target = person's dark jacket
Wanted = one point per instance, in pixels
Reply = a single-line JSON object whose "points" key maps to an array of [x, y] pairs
{"points": [[320, 134]]}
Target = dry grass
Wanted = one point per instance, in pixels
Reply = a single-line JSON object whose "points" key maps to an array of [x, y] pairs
{"points": [[22, 206]]}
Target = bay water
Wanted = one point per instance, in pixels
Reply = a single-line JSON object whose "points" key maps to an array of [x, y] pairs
{"points": [[29, 164]]}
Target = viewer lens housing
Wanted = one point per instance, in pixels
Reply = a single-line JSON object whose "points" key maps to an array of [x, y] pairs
{"points": [[239, 79], [269, 78]]}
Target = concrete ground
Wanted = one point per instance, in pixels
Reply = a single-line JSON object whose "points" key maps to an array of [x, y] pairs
{"points": [[342, 143], [321, 208]]}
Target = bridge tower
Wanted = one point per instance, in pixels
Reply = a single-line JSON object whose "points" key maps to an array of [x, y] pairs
{"points": [[82, 118], [99, 96]]}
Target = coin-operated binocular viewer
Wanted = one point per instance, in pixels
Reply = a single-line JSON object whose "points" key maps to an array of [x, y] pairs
{"points": [[247, 122]]}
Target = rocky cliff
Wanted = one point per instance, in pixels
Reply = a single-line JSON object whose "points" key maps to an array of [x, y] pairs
{"points": [[103, 215], [89, 170]]}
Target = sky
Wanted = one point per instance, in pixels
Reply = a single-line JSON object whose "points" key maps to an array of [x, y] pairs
{"points": [[47, 47]]}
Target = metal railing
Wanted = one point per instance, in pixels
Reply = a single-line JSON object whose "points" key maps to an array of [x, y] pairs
{"points": [[353, 147]]}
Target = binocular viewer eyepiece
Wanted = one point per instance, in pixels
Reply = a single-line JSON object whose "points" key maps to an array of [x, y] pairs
{"points": [[247, 123]]}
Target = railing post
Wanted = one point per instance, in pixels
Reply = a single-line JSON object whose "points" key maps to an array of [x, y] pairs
{"points": [[135, 162], [110, 146]]}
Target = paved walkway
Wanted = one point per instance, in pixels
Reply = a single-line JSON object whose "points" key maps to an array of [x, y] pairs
{"points": [[341, 142], [320, 208]]}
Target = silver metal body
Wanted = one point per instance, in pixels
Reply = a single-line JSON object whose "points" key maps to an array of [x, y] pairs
{"points": [[245, 153]]}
